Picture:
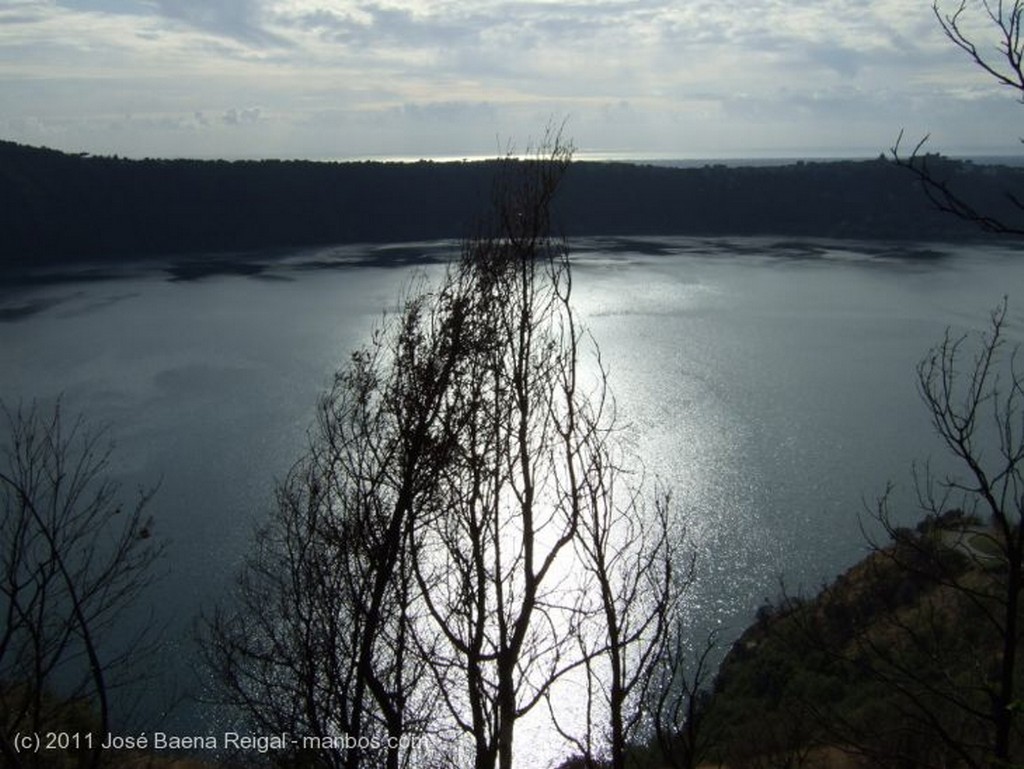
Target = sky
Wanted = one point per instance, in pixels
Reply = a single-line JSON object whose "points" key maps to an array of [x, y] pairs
{"points": [[342, 79]]}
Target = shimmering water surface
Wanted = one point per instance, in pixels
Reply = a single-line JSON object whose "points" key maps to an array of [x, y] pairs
{"points": [[770, 385]]}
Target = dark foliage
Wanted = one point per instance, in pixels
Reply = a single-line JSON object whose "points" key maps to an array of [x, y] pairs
{"points": [[58, 207]]}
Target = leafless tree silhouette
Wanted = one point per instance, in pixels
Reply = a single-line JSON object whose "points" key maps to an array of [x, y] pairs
{"points": [[493, 555], [319, 641], [426, 570], [1004, 62], [973, 547], [635, 577], [73, 557], [931, 619]]}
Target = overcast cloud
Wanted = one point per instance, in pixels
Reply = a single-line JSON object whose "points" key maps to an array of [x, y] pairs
{"points": [[327, 78]]}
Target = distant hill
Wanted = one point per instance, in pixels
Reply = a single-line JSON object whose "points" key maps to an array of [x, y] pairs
{"points": [[58, 208]]}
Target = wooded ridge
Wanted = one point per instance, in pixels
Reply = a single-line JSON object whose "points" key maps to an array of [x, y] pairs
{"points": [[62, 208]]}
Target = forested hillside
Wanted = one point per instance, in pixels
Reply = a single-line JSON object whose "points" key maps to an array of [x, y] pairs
{"points": [[58, 207], [893, 664]]}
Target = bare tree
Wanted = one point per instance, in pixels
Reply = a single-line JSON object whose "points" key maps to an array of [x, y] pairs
{"points": [[74, 556], [493, 556], [435, 395], [540, 556], [911, 658], [424, 570], [677, 696], [318, 641], [929, 623], [1004, 62], [635, 577], [970, 549]]}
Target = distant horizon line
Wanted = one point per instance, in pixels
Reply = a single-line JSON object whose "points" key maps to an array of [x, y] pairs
{"points": [[674, 159], [655, 158]]}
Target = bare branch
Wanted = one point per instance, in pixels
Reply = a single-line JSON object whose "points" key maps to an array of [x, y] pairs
{"points": [[73, 559]]}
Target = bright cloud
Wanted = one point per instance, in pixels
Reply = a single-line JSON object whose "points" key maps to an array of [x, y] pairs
{"points": [[321, 78]]}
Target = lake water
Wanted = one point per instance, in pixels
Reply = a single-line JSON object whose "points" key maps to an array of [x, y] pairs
{"points": [[770, 384]]}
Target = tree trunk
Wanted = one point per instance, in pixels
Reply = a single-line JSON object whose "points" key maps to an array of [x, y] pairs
{"points": [[1004, 704], [507, 721]]}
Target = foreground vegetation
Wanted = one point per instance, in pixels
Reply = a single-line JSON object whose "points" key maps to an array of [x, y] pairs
{"points": [[885, 667]]}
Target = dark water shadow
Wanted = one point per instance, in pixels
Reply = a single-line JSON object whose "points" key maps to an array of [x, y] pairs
{"points": [[856, 250], [382, 256], [641, 246], [17, 312], [275, 266], [23, 310], [23, 280], [792, 249], [193, 269], [100, 304]]}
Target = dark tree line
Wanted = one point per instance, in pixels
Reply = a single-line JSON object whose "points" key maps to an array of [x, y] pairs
{"points": [[56, 207]]}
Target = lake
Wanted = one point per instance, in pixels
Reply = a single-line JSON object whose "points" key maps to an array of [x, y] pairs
{"points": [[770, 384]]}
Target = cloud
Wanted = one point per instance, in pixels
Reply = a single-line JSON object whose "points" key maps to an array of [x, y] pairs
{"points": [[240, 20], [12, 16], [383, 75], [375, 24], [247, 116]]}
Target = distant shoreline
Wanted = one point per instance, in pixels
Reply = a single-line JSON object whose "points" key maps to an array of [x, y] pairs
{"points": [[62, 209]]}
